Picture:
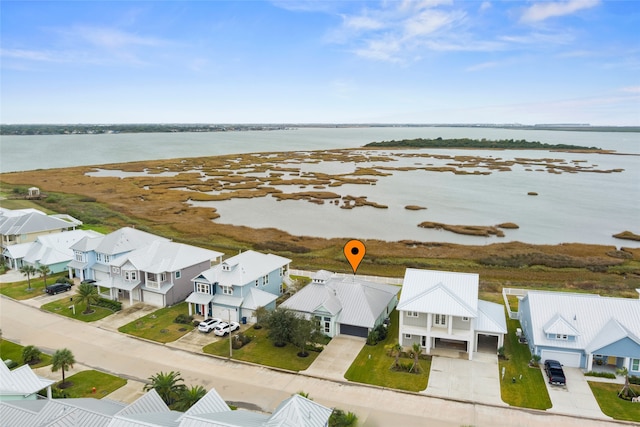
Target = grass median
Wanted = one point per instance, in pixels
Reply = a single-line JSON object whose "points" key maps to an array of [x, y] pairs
{"points": [[13, 351], [159, 326], [83, 383], [607, 396], [66, 307]]}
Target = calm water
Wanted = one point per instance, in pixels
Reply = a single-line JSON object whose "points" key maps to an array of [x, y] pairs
{"points": [[582, 207]]}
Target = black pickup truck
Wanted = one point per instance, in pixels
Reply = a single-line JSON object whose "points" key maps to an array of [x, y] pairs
{"points": [[554, 371]]}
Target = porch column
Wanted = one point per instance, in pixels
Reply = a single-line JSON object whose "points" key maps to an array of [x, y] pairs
{"points": [[190, 309], [589, 362], [450, 325], [401, 327], [49, 396], [131, 297], [627, 363], [427, 340], [470, 350]]}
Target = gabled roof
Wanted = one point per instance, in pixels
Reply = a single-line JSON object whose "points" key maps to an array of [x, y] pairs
{"points": [[58, 412], [243, 268], [559, 325], [257, 298], [298, 411], [165, 256], [56, 248], [21, 381], [491, 318], [355, 301], [597, 321], [442, 292], [322, 276], [31, 223], [209, 403], [125, 239]]}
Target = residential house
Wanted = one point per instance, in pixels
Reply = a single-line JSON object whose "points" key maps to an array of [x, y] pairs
{"points": [[150, 411], [159, 273], [440, 309], [585, 331], [92, 256], [21, 384], [52, 250], [25, 225], [347, 305], [235, 288]]}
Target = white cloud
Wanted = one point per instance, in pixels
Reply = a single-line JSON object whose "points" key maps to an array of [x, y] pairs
{"points": [[631, 89], [111, 38], [545, 10]]}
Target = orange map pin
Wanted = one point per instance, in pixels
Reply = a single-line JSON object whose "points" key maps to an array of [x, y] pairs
{"points": [[354, 250]]}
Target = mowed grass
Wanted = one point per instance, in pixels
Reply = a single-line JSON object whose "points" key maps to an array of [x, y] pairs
{"points": [[529, 391], [262, 351], [159, 326], [607, 396], [13, 351], [84, 382], [62, 307], [373, 365], [20, 290]]}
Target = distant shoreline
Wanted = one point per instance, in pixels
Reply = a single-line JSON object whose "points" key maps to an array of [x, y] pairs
{"points": [[110, 128]]}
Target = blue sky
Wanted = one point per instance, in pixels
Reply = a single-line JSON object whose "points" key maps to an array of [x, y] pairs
{"points": [[432, 61]]}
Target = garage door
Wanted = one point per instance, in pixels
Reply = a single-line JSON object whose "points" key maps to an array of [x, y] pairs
{"points": [[153, 299], [357, 331], [223, 313], [566, 358]]}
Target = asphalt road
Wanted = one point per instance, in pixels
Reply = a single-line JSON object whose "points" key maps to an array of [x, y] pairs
{"points": [[254, 385]]}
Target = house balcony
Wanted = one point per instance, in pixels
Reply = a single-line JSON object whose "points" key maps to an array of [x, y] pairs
{"points": [[153, 284], [439, 332]]}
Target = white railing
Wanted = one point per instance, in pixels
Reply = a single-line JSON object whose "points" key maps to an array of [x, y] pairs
{"points": [[377, 279], [505, 296]]}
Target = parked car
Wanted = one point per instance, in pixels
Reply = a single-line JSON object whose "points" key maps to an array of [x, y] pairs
{"points": [[89, 281], [208, 325], [57, 288], [224, 328], [554, 371]]}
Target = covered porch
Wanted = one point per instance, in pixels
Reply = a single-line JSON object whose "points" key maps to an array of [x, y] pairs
{"points": [[200, 303], [119, 290]]}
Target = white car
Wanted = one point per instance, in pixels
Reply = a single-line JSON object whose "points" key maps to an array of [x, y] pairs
{"points": [[208, 325], [224, 328]]}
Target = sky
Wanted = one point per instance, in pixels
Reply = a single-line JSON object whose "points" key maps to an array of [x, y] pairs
{"points": [[303, 61]]}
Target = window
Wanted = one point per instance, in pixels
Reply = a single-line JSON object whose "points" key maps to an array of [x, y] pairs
{"points": [[327, 325], [265, 280], [178, 274], [283, 288], [79, 256], [465, 319], [440, 320], [227, 290], [99, 257], [203, 288], [561, 337], [115, 270], [407, 336], [225, 267], [412, 314], [635, 364], [130, 275], [256, 282], [107, 258]]}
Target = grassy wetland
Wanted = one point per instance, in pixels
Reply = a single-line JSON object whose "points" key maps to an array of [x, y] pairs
{"points": [[162, 197]]}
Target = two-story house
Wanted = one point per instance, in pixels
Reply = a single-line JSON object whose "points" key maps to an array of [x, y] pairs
{"points": [[24, 226], [235, 288], [440, 309], [92, 256], [159, 273]]}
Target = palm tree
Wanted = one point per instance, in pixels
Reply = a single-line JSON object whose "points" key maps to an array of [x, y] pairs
{"points": [[88, 294], [31, 355], [189, 397], [62, 359], [28, 270], [416, 357], [627, 391], [395, 350], [167, 385], [44, 272]]}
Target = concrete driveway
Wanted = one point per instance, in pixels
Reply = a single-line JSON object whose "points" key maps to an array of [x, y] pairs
{"points": [[475, 380], [335, 359], [575, 398]]}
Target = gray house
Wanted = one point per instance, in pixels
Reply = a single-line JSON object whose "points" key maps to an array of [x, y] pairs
{"points": [[582, 330], [348, 306]]}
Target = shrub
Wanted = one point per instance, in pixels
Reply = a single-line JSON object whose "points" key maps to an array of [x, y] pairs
{"points": [[10, 363], [109, 303], [372, 338], [64, 279], [600, 374], [240, 340], [339, 418], [633, 379], [183, 318], [31, 355]]}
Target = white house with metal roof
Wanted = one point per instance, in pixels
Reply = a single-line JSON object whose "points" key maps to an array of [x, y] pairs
{"points": [[442, 309], [348, 306], [24, 226], [21, 384], [582, 330], [235, 288]]}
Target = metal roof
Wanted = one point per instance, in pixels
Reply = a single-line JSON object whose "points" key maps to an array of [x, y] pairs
{"points": [[257, 298], [148, 402], [243, 268], [598, 321], [199, 298], [299, 411], [55, 248], [164, 256], [491, 318], [124, 240], [209, 403], [442, 292], [21, 381], [31, 223]]}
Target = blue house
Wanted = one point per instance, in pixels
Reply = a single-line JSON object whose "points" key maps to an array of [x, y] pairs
{"points": [[582, 330], [235, 288]]}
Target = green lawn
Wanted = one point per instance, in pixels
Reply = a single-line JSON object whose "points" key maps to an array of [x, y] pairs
{"points": [[158, 326], [9, 350], [607, 396], [61, 307], [19, 290], [83, 383], [373, 365], [529, 391], [262, 351]]}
